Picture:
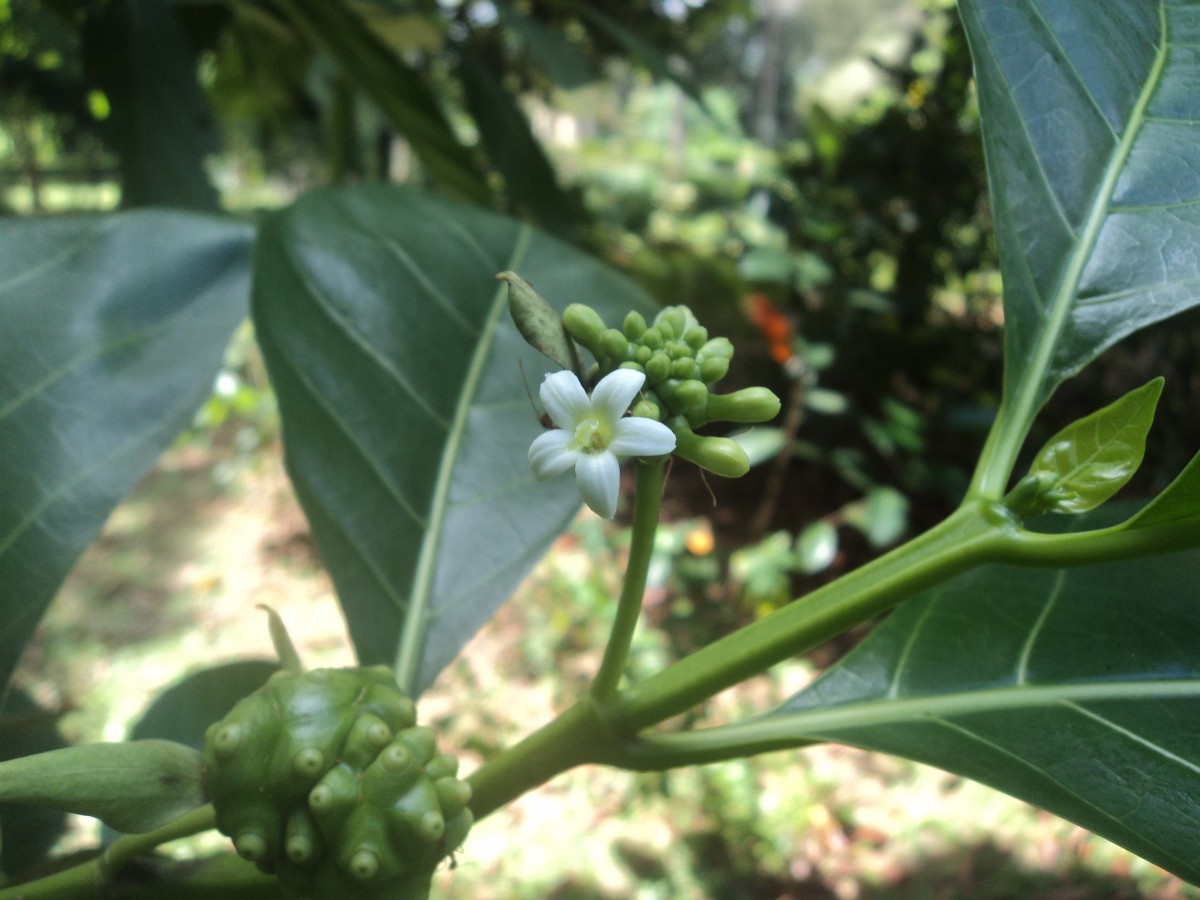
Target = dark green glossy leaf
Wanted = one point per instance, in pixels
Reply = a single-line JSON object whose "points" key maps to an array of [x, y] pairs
{"points": [[395, 87], [160, 123], [529, 177], [182, 711], [134, 787], [1078, 691], [655, 61], [185, 709], [402, 386], [1091, 459], [564, 62], [1091, 127], [111, 331]]}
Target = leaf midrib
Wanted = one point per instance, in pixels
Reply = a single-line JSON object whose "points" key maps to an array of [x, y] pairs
{"points": [[828, 722], [416, 617], [1019, 407]]}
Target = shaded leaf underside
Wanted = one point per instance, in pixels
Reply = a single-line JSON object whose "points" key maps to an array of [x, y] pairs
{"points": [[1091, 126], [1078, 691]]}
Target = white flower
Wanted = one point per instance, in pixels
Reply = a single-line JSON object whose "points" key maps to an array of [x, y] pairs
{"points": [[594, 433]]}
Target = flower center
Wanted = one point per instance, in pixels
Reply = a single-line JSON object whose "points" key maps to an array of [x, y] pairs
{"points": [[591, 436]]}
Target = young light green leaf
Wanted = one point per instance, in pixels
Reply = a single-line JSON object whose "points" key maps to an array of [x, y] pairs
{"points": [[1177, 505], [1091, 128], [1091, 459], [133, 787]]}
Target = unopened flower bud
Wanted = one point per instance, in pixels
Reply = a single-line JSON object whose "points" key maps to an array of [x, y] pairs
{"points": [[614, 345], [714, 369], [658, 368], [749, 406], [718, 347], [683, 368], [585, 325], [634, 325], [719, 455]]}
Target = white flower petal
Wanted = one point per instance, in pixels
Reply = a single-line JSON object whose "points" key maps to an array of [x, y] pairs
{"points": [[549, 456], [616, 391], [599, 477], [564, 398], [635, 436]]}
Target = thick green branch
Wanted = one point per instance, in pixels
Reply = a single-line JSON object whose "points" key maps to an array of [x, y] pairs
{"points": [[971, 536]]}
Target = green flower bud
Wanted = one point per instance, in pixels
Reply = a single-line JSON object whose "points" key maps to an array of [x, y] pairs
{"points": [[658, 368], [714, 369], [647, 409], [691, 395], [683, 368], [613, 345], [719, 455], [585, 325], [696, 336], [718, 347], [673, 321], [652, 338], [634, 325], [749, 405], [642, 355]]}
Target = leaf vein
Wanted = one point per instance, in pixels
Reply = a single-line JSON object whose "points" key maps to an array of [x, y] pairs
{"points": [[322, 302], [329, 409]]}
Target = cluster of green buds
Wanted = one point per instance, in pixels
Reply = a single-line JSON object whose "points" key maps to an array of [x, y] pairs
{"points": [[680, 360], [324, 779]]}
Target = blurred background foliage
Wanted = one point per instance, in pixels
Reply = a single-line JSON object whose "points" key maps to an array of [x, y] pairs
{"points": [[805, 174]]}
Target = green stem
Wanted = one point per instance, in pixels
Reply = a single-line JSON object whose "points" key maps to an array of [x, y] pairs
{"points": [[658, 752], [648, 501], [974, 534], [595, 732], [573, 738], [92, 878], [1083, 548]]}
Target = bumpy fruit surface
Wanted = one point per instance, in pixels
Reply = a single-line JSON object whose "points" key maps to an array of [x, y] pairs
{"points": [[325, 779]]}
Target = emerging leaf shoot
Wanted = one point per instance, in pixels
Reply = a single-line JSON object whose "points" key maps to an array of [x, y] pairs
{"points": [[1089, 460]]}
